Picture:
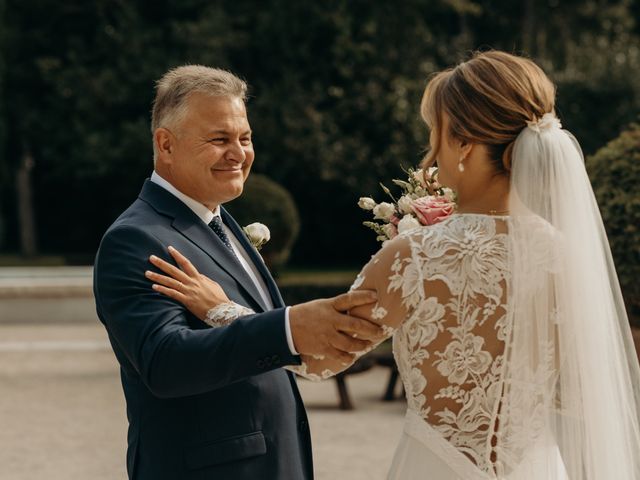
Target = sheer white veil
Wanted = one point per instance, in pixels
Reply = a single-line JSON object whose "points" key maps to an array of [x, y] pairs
{"points": [[571, 392]]}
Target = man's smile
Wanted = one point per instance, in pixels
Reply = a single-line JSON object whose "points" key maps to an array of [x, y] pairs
{"points": [[228, 169]]}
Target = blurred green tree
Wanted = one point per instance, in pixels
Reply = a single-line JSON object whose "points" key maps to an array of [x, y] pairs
{"points": [[3, 127], [335, 90], [615, 174], [267, 202], [337, 86], [80, 90]]}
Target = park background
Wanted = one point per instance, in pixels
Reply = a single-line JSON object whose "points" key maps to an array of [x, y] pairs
{"points": [[335, 87]]}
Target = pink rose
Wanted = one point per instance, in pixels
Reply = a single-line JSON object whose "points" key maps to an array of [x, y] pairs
{"points": [[394, 220], [431, 210]]}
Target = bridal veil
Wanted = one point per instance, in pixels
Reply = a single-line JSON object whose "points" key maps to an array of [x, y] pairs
{"points": [[571, 378]]}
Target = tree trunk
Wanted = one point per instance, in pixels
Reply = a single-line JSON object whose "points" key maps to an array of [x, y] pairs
{"points": [[26, 220]]}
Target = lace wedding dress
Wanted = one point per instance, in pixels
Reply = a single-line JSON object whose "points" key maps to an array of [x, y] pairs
{"points": [[446, 294], [443, 295]]}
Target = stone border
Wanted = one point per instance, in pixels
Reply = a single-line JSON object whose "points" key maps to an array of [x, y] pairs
{"points": [[45, 291], [46, 282]]}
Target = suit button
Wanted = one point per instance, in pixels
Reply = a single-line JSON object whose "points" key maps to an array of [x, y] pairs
{"points": [[276, 359], [260, 364], [267, 362]]}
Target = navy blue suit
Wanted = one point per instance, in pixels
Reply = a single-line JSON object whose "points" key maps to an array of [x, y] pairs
{"points": [[202, 403]]}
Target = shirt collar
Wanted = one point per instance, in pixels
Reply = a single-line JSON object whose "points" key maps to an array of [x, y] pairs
{"points": [[199, 209]]}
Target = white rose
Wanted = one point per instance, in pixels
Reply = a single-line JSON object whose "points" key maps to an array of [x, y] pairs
{"points": [[404, 204], [258, 234], [366, 203], [384, 211], [449, 195], [419, 177], [408, 222]]}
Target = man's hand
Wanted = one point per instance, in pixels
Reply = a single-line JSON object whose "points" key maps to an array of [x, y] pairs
{"points": [[186, 285], [322, 327]]}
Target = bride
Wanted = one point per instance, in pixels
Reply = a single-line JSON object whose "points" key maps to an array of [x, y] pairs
{"points": [[508, 325]]}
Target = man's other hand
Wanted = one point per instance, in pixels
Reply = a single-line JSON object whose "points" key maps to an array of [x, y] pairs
{"points": [[325, 328]]}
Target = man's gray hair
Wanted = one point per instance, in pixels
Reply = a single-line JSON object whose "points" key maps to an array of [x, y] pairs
{"points": [[175, 87]]}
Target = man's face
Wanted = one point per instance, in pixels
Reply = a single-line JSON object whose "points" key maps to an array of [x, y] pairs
{"points": [[210, 153]]}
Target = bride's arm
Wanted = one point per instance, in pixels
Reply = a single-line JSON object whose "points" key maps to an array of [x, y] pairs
{"points": [[396, 277], [208, 301]]}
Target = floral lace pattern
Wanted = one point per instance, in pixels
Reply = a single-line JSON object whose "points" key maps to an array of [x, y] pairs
{"points": [[452, 280], [450, 350], [443, 296], [225, 313]]}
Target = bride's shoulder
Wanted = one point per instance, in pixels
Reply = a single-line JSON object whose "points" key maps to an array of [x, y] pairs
{"points": [[447, 234], [417, 238], [456, 227]]}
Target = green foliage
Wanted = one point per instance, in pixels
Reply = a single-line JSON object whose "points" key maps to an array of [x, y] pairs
{"points": [[335, 88], [4, 170], [615, 174], [294, 294], [264, 201], [79, 95], [3, 125]]}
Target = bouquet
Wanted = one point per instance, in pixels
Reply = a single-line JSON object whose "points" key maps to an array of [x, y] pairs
{"points": [[423, 201]]}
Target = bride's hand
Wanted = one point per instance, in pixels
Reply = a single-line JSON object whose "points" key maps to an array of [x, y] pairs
{"points": [[186, 285]]}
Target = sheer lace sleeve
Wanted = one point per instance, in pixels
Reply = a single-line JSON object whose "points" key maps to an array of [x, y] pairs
{"points": [[225, 313], [394, 276], [391, 272]]}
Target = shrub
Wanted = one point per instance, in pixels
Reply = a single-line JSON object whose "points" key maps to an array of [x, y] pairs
{"points": [[265, 201], [300, 293], [615, 174]]}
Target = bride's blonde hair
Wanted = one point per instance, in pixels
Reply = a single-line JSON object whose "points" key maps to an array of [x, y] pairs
{"points": [[489, 100]]}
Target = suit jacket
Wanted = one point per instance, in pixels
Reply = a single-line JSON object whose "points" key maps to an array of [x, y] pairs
{"points": [[202, 403]]}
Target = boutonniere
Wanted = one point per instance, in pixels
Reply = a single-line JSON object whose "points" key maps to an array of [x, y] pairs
{"points": [[258, 234]]}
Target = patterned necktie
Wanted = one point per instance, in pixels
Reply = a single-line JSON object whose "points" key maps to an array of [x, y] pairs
{"points": [[216, 226]]}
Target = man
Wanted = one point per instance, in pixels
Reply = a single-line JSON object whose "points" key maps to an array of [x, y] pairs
{"points": [[209, 403]]}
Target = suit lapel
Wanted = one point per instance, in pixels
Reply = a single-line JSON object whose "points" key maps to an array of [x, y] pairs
{"points": [[206, 240], [188, 224], [255, 258]]}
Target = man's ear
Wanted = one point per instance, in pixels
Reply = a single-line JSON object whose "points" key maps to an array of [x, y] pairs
{"points": [[164, 142]]}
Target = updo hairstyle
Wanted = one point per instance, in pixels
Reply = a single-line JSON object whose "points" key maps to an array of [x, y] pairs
{"points": [[489, 99]]}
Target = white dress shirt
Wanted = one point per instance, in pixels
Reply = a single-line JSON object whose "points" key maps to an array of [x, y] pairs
{"points": [[206, 216]]}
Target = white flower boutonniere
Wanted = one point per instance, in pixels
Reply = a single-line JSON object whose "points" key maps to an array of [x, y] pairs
{"points": [[258, 234]]}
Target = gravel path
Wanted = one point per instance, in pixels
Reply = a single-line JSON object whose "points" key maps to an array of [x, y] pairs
{"points": [[62, 411]]}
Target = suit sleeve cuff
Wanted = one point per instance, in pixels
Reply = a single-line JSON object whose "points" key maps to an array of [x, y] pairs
{"points": [[287, 326]]}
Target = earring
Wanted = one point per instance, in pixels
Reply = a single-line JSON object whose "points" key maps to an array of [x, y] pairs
{"points": [[461, 166]]}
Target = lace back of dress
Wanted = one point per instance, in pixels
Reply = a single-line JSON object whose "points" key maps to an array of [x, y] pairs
{"points": [[529, 380], [450, 350]]}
